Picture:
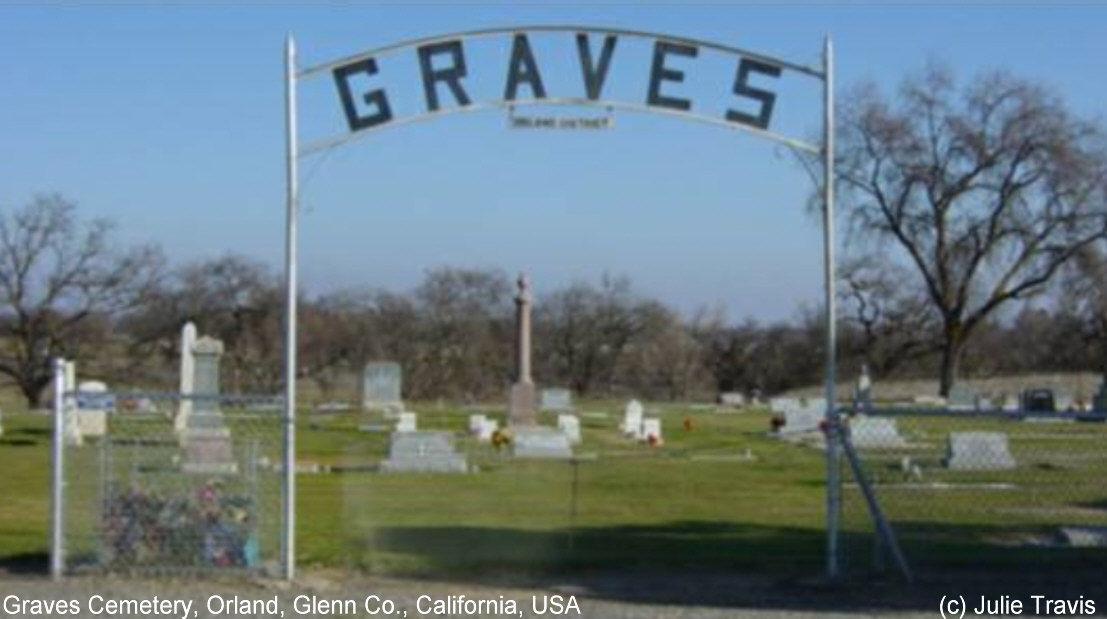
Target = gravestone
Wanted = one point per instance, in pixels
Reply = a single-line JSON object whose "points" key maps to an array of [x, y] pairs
{"points": [[1099, 400], [803, 419], [405, 422], [539, 442], [188, 376], [632, 419], [207, 440], [782, 405], [382, 386], [979, 451], [482, 427], [651, 431], [92, 409], [875, 433], [1038, 401], [961, 399], [862, 391], [558, 400], [569, 425], [732, 399], [1010, 404], [423, 452]]}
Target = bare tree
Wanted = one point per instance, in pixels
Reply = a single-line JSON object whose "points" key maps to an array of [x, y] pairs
{"points": [[893, 322], [61, 282], [583, 331], [988, 190]]}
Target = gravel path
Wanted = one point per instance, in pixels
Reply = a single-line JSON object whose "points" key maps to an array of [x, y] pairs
{"points": [[607, 596]]}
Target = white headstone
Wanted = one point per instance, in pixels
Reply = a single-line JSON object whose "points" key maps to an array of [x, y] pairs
{"points": [[651, 430], [979, 451], [804, 419], [92, 411], [570, 426], [188, 375], [732, 399], [875, 433], [539, 442], [405, 422], [783, 405], [632, 419], [382, 386], [482, 427], [423, 452], [556, 399], [961, 399]]}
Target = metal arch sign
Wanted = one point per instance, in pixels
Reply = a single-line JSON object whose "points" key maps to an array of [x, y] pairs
{"points": [[443, 71], [444, 68]]}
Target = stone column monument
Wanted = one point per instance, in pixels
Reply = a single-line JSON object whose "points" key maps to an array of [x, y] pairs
{"points": [[522, 403]]}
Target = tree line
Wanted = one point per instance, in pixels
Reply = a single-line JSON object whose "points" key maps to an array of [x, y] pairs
{"points": [[975, 217]]}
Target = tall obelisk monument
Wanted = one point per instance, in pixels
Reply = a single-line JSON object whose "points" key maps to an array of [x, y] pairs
{"points": [[521, 407]]}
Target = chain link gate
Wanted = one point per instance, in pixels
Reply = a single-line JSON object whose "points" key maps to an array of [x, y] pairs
{"points": [[161, 483]]}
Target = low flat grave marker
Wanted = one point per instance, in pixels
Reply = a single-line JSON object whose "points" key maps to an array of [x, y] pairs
{"points": [[423, 452], [539, 442]]}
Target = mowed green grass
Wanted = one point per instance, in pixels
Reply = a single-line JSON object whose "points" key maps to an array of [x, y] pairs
{"points": [[695, 502]]}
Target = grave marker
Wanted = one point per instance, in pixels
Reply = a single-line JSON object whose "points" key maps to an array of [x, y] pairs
{"points": [[569, 425], [538, 442], [875, 433], [423, 452], [382, 386], [558, 400], [979, 451]]}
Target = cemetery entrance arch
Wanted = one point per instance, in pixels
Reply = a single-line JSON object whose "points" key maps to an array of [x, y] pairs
{"points": [[443, 69]]}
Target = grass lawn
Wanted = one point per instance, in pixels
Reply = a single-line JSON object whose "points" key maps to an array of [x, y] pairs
{"points": [[695, 503]]}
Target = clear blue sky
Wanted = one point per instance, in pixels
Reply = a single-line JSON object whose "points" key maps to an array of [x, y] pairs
{"points": [[169, 119]]}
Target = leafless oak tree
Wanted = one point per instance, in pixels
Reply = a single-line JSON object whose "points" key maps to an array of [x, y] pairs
{"points": [[59, 277], [986, 189]]}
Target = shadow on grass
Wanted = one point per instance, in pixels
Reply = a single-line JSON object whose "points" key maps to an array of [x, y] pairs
{"points": [[31, 563], [730, 565]]}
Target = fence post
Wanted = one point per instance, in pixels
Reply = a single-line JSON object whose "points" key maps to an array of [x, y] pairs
{"points": [[57, 464]]}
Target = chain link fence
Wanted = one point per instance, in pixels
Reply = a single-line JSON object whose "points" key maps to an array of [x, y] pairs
{"points": [[159, 483], [994, 490]]}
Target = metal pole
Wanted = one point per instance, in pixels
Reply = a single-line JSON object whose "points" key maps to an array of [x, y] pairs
{"points": [[57, 462], [833, 454], [288, 537]]}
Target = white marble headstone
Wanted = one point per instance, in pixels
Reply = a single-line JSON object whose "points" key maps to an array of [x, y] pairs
{"points": [[632, 419], [556, 399], [875, 433], [539, 442], [405, 422], [651, 430], [423, 452], [92, 411], [570, 426]]}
